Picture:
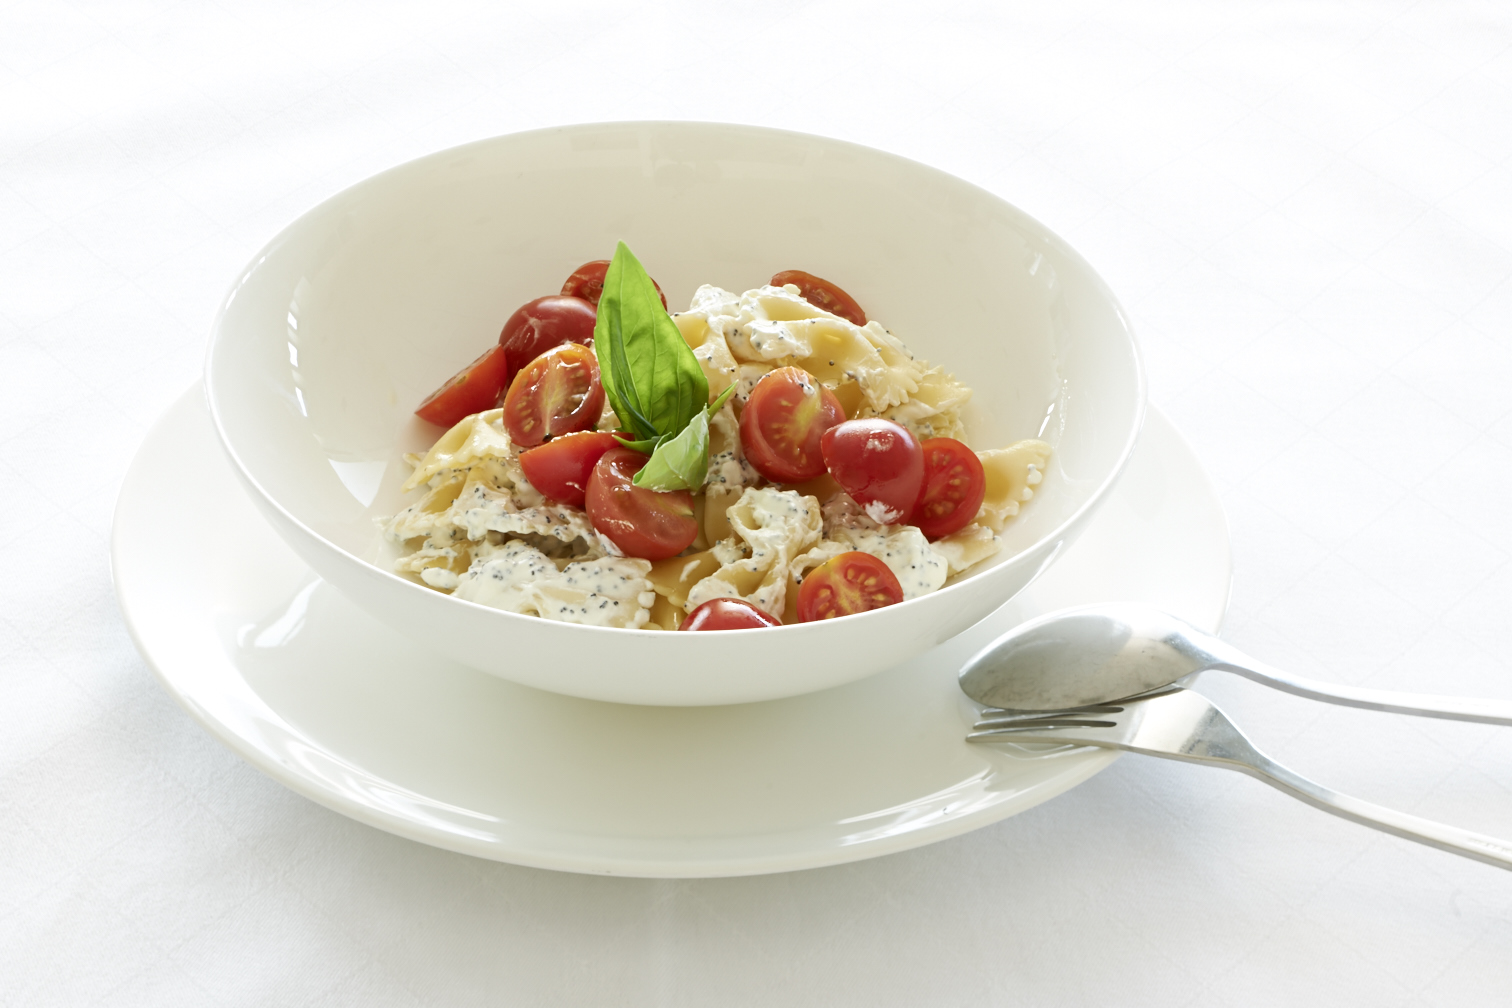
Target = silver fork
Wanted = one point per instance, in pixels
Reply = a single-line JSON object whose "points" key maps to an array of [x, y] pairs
{"points": [[1175, 723]]}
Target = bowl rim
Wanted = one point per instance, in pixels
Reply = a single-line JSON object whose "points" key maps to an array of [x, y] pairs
{"points": [[1045, 233]]}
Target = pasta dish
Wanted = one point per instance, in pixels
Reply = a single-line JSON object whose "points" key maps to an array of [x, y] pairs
{"points": [[808, 465]]}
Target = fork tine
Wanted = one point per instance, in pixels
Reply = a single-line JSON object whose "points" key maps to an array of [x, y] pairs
{"points": [[1110, 724], [1102, 724], [1046, 722], [1017, 712], [1061, 732], [1058, 734], [998, 717]]}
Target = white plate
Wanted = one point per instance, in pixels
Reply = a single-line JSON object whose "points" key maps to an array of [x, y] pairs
{"points": [[320, 696]]}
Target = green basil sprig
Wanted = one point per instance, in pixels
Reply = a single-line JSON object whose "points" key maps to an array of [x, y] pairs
{"points": [[651, 378]]}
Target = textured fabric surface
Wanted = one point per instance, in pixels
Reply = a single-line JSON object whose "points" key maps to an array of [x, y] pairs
{"points": [[1306, 209]]}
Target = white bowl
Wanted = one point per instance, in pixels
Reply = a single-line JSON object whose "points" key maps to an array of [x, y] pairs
{"points": [[343, 323]]}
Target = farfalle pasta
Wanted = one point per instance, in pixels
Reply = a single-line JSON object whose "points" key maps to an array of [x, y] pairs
{"points": [[771, 528], [1012, 474], [482, 532]]}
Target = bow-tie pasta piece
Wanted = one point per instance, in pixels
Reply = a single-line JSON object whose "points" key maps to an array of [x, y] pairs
{"points": [[473, 439], [772, 527], [1012, 473]]}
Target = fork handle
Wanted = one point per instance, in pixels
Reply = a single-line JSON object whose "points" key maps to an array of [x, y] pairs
{"points": [[1181, 725], [1245, 758], [1497, 712]]}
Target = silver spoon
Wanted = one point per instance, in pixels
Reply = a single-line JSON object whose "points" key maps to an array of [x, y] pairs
{"points": [[1099, 653]]}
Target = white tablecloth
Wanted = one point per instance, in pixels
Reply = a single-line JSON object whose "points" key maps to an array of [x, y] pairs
{"points": [[1307, 210]]}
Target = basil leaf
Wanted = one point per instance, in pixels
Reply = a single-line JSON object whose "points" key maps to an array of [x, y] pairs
{"points": [[681, 462], [649, 373]]}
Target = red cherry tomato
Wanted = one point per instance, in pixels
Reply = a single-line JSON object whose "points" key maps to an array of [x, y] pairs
{"points": [[587, 282], [727, 614], [641, 522], [473, 389], [557, 393], [954, 485], [539, 325], [849, 583], [560, 468], [822, 294], [786, 415], [879, 463]]}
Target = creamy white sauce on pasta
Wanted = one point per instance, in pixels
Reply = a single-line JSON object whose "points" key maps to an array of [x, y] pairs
{"points": [[481, 532]]}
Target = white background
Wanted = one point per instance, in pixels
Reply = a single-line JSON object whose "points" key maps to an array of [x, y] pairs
{"points": [[1307, 210]]}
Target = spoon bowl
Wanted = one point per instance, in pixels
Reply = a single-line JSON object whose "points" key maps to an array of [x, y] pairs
{"points": [[1082, 656], [1101, 653]]}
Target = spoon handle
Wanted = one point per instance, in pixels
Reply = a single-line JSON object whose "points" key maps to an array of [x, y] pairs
{"points": [[1497, 712]]}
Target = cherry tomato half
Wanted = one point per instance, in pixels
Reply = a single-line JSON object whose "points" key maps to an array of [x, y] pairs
{"points": [[641, 522], [879, 463], [557, 393], [783, 421], [560, 468], [727, 614], [849, 583], [473, 389], [587, 282], [954, 485], [539, 325], [822, 294]]}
